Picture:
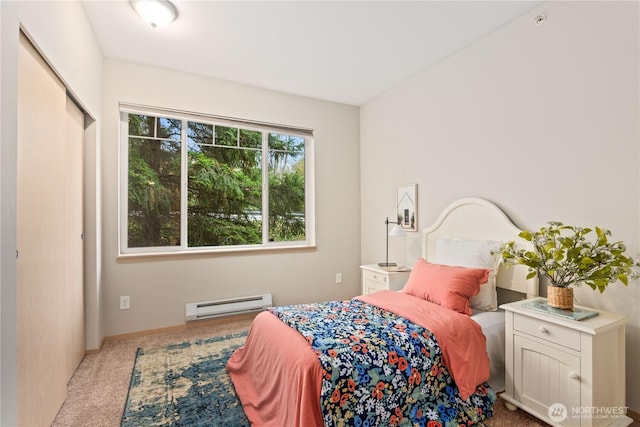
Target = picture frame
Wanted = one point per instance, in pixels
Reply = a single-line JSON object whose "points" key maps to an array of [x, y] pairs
{"points": [[407, 207]]}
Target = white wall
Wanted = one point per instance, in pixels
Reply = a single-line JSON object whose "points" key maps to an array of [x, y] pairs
{"points": [[542, 120], [160, 287], [63, 34]]}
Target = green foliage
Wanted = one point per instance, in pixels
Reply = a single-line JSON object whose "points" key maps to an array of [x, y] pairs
{"points": [[224, 197], [564, 255], [154, 182], [211, 231], [286, 202], [286, 188]]}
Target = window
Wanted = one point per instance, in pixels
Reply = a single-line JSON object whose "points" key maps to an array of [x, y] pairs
{"points": [[192, 183]]}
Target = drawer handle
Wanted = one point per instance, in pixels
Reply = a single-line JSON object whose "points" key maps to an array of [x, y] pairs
{"points": [[543, 330], [574, 375]]}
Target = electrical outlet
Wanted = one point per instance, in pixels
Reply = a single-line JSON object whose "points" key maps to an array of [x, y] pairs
{"points": [[125, 303], [338, 277]]}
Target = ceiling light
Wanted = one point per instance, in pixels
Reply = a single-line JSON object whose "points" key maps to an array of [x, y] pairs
{"points": [[155, 12]]}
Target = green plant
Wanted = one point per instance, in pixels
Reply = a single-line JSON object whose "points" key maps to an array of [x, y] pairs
{"points": [[564, 255]]}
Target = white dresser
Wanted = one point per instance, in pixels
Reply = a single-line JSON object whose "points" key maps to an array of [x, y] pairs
{"points": [[375, 278], [563, 371]]}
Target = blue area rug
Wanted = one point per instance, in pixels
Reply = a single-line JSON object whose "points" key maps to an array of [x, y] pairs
{"points": [[185, 384]]}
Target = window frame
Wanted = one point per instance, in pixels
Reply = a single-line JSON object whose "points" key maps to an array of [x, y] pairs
{"points": [[185, 117]]}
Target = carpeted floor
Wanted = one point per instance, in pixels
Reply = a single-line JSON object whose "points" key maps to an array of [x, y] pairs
{"points": [[98, 391]]}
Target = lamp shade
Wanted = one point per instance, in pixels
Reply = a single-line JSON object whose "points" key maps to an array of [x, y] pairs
{"points": [[397, 231], [155, 12]]}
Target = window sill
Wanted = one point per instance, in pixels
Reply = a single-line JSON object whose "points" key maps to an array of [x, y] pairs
{"points": [[209, 253]]}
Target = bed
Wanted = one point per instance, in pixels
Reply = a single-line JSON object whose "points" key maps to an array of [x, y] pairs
{"points": [[428, 355]]}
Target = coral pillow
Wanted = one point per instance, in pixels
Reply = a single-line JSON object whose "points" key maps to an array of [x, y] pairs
{"points": [[445, 285], [478, 254]]}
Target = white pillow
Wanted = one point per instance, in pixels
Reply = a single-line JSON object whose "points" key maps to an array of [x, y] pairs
{"points": [[473, 253]]}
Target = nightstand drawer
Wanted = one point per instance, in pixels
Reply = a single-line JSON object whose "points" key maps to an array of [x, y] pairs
{"points": [[547, 331], [371, 287], [376, 279], [372, 276]]}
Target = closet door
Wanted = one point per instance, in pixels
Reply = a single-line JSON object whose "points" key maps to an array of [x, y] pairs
{"points": [[74, 247], [49, 264]]}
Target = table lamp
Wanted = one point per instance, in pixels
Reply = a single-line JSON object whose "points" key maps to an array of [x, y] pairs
{"points": [[396, 231]]}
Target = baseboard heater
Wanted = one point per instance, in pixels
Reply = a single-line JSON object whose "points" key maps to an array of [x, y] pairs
{"points": [[227, 307]]}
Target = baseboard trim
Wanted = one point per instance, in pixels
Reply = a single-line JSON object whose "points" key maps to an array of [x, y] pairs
{"points": [[94, 350], [633, 414], [182, 327]]}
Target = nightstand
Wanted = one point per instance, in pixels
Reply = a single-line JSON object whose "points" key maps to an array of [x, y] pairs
{"points": [[563, 371], [375, 278]]}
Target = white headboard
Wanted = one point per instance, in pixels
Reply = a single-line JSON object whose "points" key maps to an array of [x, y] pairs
{"points": [[479, 219]]}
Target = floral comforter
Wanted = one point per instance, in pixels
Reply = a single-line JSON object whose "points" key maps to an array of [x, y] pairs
{"points": [[381, 369]]}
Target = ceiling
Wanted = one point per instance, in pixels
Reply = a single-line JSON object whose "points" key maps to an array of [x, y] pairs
{"points": [[341, 51]]}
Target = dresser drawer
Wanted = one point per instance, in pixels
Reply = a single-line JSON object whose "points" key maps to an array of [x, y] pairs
{"points": [[377, 278], [547, 331]]}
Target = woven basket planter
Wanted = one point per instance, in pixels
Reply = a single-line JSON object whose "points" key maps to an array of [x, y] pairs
{"points": [[560, 297]]}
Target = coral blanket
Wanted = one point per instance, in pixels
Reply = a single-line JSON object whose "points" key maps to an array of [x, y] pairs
{"points": [[279, 377]]}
